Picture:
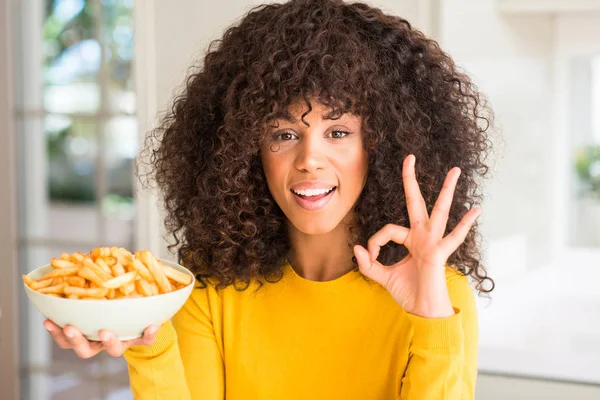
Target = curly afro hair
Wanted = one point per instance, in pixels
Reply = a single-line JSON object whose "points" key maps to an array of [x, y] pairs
{"points": [[204, 156]]}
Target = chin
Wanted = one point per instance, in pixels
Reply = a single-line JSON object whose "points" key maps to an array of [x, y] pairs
{"points": [[315, 225]]}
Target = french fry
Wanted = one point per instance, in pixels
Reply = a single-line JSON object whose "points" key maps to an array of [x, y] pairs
{"points": [[76, 281], [110, 260], [144, 287], [58, 289], [175, 275], [102, 264], [53, 295], [143, 271], [77, 257], [60, 263], [29, 281], [154, 287], [100, 252], [126, 253], [111, 294], [35, 285], [91, 276], [127, 289], [65, 256], [72, 297], [96, 292], [58, 280], [93, 298], [119, 281], [88, 262], [159, 275], [116, 253], [118, 269], [61, 272]]}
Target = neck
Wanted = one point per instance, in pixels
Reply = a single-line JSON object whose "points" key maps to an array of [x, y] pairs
{"points": [[320, 257]]}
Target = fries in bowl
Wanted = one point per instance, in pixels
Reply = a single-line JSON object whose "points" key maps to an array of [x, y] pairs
{"points": [[108, 273], [117, 291]]}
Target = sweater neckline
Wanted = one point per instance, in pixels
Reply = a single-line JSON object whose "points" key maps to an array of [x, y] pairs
{"points": [[335, 285]]}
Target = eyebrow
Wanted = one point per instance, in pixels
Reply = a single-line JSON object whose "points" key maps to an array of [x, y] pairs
{"points": [[286, 116]]}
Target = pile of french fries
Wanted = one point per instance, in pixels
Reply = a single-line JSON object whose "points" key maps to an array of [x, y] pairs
{"points": [[108, 273]]}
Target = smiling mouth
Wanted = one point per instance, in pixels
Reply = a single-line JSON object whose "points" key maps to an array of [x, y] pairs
{"points": [[313, 195], [314, 201]]}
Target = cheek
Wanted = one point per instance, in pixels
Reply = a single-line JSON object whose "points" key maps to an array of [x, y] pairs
{"points": [[356, 167], [274, 171]]}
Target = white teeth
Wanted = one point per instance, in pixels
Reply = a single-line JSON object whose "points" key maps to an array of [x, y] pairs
{"points": [[312, 192]]}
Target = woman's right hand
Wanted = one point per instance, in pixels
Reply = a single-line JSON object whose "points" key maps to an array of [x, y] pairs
{"points": [[70, 338]]}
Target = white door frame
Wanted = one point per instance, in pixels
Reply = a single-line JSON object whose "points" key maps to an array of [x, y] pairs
{"points": [[148, 232], [9, 283]]}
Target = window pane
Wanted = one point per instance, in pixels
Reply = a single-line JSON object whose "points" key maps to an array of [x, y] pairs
{"points": [[77, 97], [72, 150], [72, 214], [71, 58], [120, 135], [117, 34]]}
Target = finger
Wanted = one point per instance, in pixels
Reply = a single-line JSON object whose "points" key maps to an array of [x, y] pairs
{"points": [[149, 335], [147, 339], [455, 238], [395, 233], [82, 347], [372, 270], [57, 334], [441, 209], [417, 209], [111, 344]]}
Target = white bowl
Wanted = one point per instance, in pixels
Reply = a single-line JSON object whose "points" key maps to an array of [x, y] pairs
{"points": [[126, 318]]}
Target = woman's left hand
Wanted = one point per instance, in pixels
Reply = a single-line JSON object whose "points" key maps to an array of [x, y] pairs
{"points": [[418, 282]]}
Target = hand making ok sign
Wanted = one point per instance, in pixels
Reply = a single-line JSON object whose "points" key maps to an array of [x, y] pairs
{"points": [[418, 282]]}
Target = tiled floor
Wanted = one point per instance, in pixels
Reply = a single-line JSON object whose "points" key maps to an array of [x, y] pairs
{"points": [[505, 388]]}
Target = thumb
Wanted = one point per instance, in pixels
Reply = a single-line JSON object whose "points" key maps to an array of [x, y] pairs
{"points": [[372, 270]]}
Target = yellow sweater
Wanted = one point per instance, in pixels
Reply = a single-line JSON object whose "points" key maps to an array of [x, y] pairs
{"points": [[300, 339]]}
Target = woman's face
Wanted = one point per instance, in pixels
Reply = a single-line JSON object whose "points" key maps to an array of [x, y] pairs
{"points": [[315, 173]]}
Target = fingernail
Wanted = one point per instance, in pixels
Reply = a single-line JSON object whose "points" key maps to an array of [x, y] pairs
{"points": [[49, 328], [152, 330], [70, 334], [105, 338]]}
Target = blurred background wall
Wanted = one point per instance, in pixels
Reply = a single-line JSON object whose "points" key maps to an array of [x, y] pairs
{"points": [[88, 78]]}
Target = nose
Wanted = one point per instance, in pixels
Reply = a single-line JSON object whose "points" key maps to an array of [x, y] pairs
{"points": [[310, 156]]}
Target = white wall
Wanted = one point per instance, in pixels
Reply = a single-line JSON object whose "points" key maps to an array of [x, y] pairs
{"points": [[184, 28], [510, 58]]}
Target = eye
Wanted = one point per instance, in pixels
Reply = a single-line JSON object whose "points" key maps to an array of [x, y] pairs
{"points": [[339, 134], [285, 136]]}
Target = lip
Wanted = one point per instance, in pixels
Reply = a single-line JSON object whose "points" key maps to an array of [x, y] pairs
{"points": [[314, 205]]}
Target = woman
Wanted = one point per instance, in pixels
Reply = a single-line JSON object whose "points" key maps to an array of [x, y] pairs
{"points": [[310, 172]]}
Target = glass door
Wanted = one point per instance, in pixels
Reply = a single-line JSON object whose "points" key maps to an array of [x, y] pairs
{"points": [[77, 137]]}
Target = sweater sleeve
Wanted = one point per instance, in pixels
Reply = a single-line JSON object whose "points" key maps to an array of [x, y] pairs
{"points": [[184, 362], [443, 352]]}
